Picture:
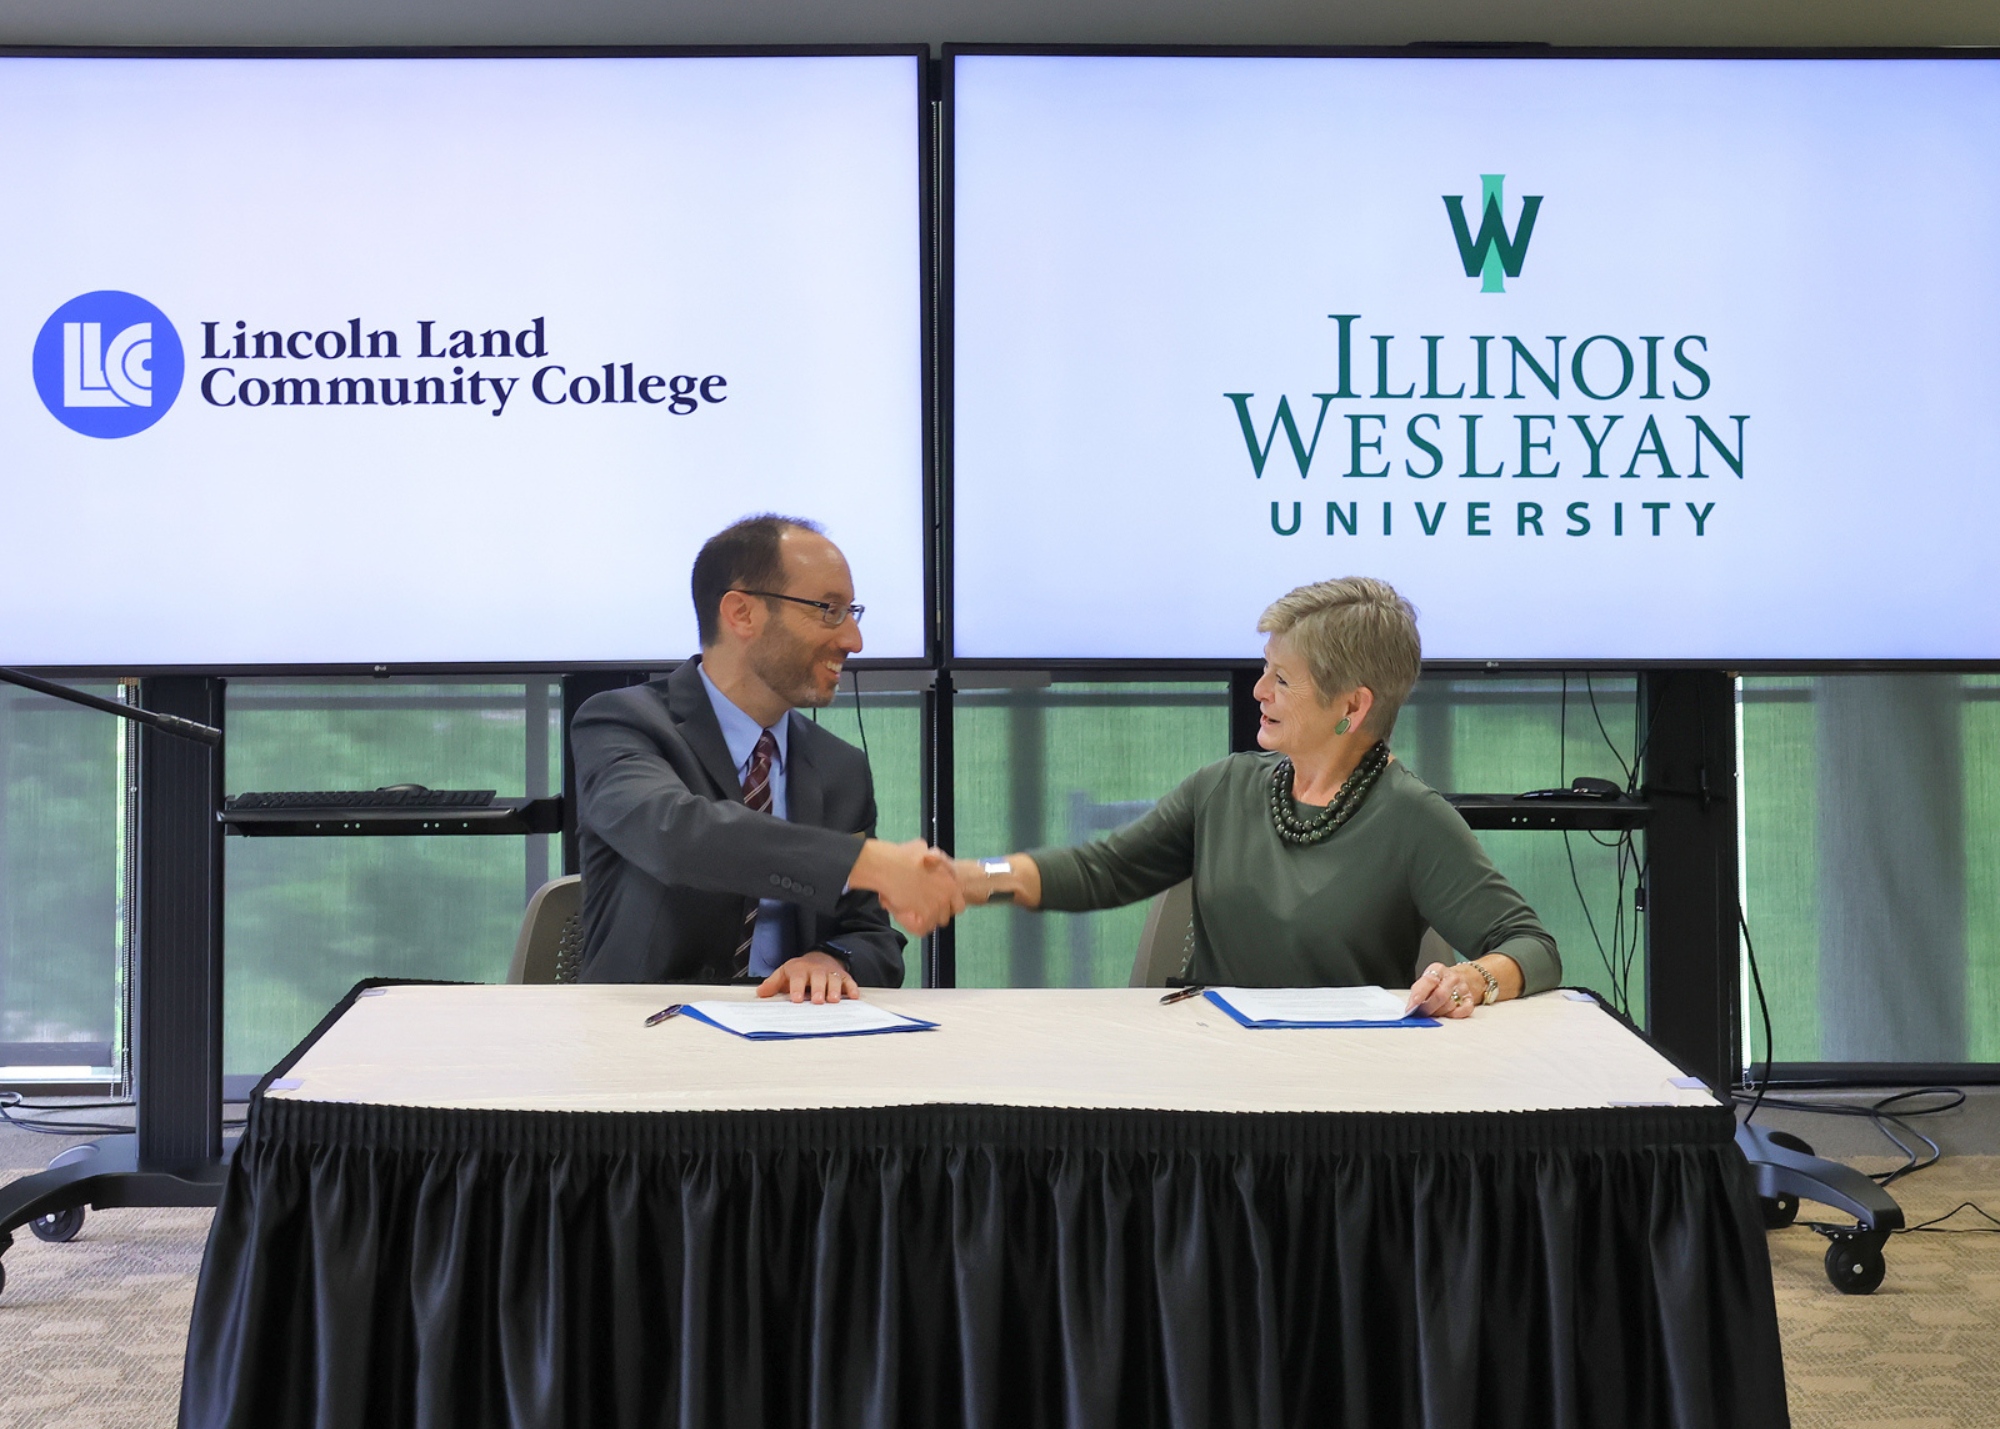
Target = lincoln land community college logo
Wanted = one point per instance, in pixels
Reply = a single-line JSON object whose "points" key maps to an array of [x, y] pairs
{"points": [[108, 364], [1492, 253]]}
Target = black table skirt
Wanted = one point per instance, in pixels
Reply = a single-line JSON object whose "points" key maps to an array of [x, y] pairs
{"points": [[951, 1265]]}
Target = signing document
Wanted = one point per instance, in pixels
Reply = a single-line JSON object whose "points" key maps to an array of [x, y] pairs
{"points": [[1316, 1007], [768, 1020]]}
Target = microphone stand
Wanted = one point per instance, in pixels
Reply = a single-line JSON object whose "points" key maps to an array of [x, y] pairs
{"points": [[175, 1155]]}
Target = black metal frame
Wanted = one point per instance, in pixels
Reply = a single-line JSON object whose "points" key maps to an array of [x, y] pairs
{"points": [[1689, 778], [1882, 1074], [174, 1156]]}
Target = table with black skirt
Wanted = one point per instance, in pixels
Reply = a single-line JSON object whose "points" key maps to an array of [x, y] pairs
{"points": [[518, 1206]]}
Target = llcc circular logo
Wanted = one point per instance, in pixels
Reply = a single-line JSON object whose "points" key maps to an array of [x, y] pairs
{"points": [[108, 364]]}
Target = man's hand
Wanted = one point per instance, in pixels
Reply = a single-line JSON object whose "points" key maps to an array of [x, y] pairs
{"points": [[914, 881], [822, 975], [975, 885]]}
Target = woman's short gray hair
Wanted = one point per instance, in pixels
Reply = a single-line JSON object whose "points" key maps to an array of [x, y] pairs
{"points": [[1353, 632]]}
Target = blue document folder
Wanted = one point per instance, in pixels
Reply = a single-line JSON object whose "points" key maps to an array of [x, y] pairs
{"points": [[776, 1020], [1303, 1013]]}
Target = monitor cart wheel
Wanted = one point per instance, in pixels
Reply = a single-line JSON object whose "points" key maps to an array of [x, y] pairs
{"points": [[58, 1226], [1779, 1211], [1854, 1265]]}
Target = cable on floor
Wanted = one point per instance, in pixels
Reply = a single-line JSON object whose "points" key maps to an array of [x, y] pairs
{"points": [[40, 1122]]}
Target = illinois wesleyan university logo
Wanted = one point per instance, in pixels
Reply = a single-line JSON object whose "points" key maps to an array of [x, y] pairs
{"points": [[108, 364], [1492, 254]]}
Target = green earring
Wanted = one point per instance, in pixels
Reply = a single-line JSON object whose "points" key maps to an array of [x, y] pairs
{"points": [[1340, 728]]}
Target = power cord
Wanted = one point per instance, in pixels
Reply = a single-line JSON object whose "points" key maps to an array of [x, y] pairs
{"points": [[11, 1102], [1630, 771], [1933, 1224], [1885, 1121], [1624, 944], [1620, 959], [859, 723], [1763, 1008], [1608, 959]]}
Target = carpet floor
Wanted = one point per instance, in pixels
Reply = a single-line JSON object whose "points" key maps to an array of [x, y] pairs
{"points": [[94, 1330]]}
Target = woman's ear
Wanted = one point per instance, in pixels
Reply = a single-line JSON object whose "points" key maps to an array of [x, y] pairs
{"points": [[1359, 701]]}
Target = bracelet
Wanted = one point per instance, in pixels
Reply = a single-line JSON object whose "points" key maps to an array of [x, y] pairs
{"points": [[1492, 985], [997, 868]]}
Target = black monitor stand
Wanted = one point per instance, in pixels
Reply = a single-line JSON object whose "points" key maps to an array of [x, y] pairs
{"points": [[175, 1154]]}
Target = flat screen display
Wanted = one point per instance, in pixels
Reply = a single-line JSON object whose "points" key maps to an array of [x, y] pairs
{"points": [[1594, 359], [447, 360]]}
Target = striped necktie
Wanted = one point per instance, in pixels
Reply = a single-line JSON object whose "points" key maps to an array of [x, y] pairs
{"points": [[756, 796]]}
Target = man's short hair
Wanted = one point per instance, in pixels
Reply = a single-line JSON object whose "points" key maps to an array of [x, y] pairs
{"points": [[1353, 632], [743, 556]]}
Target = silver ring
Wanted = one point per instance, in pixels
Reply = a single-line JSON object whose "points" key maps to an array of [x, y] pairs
{"points": [[1457, 996]]}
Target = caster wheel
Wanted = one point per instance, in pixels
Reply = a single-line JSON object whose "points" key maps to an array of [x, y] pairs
{"points": [[59, 1226], [3, 1278], [1780, 1211], [1854, 1269]]}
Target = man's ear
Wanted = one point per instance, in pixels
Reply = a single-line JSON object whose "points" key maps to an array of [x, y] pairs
{"points": [[738, 614]]}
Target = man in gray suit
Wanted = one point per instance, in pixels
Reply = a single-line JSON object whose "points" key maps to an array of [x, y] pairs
{"points": [[722, 835]]}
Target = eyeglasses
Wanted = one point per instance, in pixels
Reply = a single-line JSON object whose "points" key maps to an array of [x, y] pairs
{"points": [[830, 615]]}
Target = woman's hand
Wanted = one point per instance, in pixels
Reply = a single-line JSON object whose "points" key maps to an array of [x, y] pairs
{"points": [[1447, 991]]}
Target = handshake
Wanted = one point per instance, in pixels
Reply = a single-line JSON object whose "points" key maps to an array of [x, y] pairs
{"points": [[923, 887]]}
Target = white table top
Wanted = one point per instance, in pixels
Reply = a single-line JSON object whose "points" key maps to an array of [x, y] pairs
{"points": [[585, 1048]]}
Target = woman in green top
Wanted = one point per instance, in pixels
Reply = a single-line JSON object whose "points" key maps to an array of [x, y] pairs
{"points": [[1321, 862]]}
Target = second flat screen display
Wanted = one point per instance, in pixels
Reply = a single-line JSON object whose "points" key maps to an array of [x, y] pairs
{"points": [[1609, 359]]}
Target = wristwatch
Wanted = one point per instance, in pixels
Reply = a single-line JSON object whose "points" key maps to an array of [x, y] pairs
{"points": [[998, 868], [1492, 985]]}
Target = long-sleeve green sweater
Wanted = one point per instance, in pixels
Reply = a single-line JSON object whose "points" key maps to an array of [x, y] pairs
{"points": [[1348, 911]]}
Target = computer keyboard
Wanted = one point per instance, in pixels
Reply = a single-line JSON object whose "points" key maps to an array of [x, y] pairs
{"points": [[417, 798]]}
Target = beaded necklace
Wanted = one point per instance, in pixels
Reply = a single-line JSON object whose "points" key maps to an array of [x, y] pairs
{"points": [[1303, 833]]}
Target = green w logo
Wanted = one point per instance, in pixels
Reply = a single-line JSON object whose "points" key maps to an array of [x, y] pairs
{"points": [[1492, 252]]}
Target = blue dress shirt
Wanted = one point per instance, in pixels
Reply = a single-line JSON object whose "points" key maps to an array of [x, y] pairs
{"points": [[772, 943]]}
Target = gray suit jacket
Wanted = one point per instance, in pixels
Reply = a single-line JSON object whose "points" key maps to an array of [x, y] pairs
{"points": [[671, 857]]}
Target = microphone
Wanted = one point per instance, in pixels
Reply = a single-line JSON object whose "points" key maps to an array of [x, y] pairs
{"points": [[164, 723]]}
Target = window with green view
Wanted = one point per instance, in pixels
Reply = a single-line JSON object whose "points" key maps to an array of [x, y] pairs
{"points": [[307, 918], [62, 888], [1870, 807]]}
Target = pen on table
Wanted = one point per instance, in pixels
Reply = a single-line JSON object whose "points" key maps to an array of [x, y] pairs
{"points": [[1182, 994], [673, 1010]]}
